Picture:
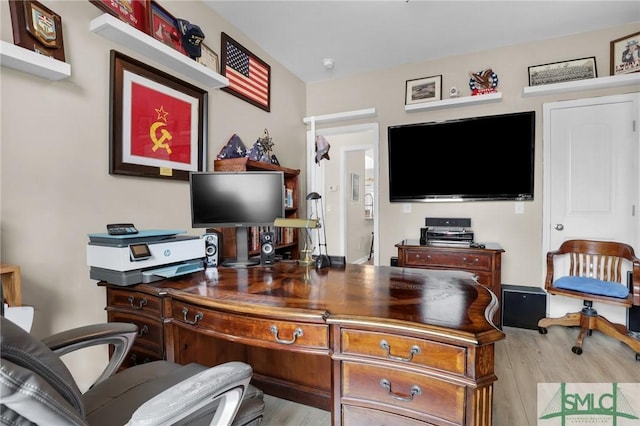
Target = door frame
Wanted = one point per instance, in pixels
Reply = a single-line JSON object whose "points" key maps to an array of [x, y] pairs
{"points": [[316, 178]]}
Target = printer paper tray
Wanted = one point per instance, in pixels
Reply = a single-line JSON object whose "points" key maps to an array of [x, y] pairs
{"points": [[126, 278]]}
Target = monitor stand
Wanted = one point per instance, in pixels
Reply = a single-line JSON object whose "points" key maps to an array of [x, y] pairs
{"points": [[242, 259]]}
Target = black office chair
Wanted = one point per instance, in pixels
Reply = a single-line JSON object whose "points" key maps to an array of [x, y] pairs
{"points": [[37, 388]]}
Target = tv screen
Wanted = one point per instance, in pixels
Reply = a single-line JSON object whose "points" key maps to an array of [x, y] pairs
{"points": [[238, 200], [479, 158]]}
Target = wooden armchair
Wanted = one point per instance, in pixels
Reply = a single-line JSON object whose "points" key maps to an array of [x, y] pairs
{"points": [[595, 273]]}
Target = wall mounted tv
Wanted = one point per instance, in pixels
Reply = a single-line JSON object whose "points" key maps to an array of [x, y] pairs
{"points": [[471, 159]]}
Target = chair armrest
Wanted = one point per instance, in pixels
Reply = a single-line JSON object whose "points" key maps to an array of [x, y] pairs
{"points": [[119, 334], [220, 388]]}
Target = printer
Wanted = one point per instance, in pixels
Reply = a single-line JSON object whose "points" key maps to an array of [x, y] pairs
{"points": [[148, 256]]}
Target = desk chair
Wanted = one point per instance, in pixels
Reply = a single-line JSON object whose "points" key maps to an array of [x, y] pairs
{"points": [[594, 274], [37, 388]]}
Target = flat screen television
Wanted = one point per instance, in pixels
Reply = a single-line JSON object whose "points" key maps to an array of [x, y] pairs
{"points": [[236, 200], [471, 159]]}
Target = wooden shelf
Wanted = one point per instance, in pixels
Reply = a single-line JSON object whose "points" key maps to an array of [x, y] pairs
{"points": [[28, 61], [580, 85], [113, 29], [455, 102], [290, 182]]}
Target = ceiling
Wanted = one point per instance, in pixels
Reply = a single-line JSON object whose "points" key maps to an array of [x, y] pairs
{"points": [[363, 36]]}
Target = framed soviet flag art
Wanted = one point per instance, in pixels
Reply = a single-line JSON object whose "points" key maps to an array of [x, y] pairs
{"points": [[157, 122]]}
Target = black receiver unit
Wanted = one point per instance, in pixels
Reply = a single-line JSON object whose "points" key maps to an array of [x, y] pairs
{"points": [[447, 222]]}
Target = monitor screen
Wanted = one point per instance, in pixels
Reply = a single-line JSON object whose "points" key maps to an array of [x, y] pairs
{"points": [[238, 200]]}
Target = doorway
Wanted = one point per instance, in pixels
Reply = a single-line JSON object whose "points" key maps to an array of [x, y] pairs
{"points": [[348, 183]]}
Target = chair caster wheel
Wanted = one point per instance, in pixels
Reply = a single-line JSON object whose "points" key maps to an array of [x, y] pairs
{"points": [[576, 350], [542, 330]]}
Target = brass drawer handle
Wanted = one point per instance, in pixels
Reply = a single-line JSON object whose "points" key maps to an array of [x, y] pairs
{"points": [[470, 262], [197, 318], [143, 303], [144, 330], [415, 390], [415, 350], [296, 333]]}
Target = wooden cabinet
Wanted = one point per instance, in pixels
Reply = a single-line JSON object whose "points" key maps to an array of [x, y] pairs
{"points": [[485, 263], [144, 310], [286, 239]]}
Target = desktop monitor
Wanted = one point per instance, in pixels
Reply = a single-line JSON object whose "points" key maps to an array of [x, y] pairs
{"points": [[237, 200]]}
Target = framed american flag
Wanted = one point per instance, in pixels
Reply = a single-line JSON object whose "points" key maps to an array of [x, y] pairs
{"points": [[249, 76]]}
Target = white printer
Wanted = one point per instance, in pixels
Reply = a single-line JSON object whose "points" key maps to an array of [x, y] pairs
{"points": [[149, 255]]}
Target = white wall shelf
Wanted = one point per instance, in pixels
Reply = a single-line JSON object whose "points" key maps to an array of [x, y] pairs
{"points": [[455, 102], [579, 85], [28, 61], [124, 34]]}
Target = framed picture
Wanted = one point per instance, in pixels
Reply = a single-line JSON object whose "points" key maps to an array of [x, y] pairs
{"points": [[558, 72], [625, 54], [424, 89], [37, 28], [355, 187], [249, 76], [157, 122], [209, 58], [133, 12], [163, 26]]}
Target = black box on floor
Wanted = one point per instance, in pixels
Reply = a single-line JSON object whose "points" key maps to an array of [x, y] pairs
{"points": [[394, 261], [523, 306]]}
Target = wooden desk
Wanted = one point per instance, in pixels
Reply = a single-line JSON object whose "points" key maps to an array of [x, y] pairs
{"points": [[484, 263], [401, 346], [11, 286]]}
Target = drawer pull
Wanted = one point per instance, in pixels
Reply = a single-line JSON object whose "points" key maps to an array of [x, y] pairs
{"points": [[415, 350], [144, 330], [415, 390], [197, 318], [143, 303], [296, 333], [470, 262]]}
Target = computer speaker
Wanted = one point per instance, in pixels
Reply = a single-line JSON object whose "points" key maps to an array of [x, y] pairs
{"points": [[212, 249], [267, 248]]}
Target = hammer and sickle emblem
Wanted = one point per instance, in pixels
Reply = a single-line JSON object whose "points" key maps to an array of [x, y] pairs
{"points": [[162, 141]]}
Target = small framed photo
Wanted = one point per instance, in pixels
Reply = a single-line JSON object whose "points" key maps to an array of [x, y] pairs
{"points": [[559, 72], [625, 54], [355, 187], [133, 12], [163, 26], [424, 89], [209, 58]]}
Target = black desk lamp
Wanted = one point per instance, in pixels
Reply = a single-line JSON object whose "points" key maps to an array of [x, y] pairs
{"points": [[322, 260]]}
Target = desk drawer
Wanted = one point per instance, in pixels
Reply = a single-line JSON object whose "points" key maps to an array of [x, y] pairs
{"points": [[135, 301], [404, 350], [392, 389], [149, 330], [453, 259], [263, 332], [358, 416]]}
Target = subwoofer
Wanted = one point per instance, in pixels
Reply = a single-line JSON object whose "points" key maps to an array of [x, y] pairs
{"points": [[267, 248], [212, 249]]}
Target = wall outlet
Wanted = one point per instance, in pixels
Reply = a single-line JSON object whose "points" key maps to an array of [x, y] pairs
{"points": [[519, 207], [406, 208]]}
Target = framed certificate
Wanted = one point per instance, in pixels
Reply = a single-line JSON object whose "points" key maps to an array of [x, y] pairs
{"points": [[209, 58]]}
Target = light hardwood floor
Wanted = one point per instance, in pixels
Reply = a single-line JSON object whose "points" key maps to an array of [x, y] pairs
{"points": [[524, 359]]}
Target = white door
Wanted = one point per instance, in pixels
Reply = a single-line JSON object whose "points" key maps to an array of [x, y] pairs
{"points": [[591, 181]]}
